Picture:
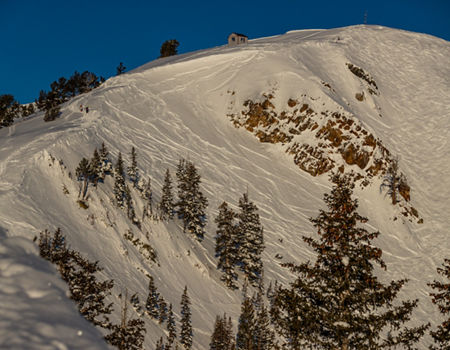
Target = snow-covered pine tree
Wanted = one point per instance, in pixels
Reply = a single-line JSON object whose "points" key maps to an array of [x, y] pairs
{"points": [[171, 327], [246, 326], [95, 167], [182, 189], [264, 335], [251, 240], [83, 173], [166, 206], [441, 298], [162, 309], [132, 170], [222, 336], [129, 334], [79, 273], [152, 305], [147, 195], [186, 333], [119, 183], [194, 218], [226, 245], [130, 206], [338, 302], [105, 162]]}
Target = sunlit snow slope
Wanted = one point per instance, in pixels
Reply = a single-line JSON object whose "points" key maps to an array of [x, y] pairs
{"points": [[177, 108]]}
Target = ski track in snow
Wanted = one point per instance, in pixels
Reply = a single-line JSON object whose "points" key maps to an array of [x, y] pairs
{"points": [[177, 108]]}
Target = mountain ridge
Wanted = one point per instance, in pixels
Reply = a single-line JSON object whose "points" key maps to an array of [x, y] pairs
{"points": [[177, 108]]}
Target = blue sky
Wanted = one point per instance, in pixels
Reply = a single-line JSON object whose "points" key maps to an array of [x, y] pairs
{"points": [[47, 39]]}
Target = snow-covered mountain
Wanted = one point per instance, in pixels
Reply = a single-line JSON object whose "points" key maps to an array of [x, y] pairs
{"points": [[350, 98]]}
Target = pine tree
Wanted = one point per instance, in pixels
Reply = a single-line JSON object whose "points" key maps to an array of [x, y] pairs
{"points": [[171, 327], [119, 183], [442, 298], [338, 302], [222, 336], [162, 310], [120, 68], [169, 48], [129, 334], [264, 336], [88, 293], [195, 203], [186, 327], [9, 109], [148, 197], [226, 245], [95, 167], [152, 305], [105, 162], [251, 241], [166, 205], [132, 170], [83, 173], [246, 326], [130, 206], [182, 189]]}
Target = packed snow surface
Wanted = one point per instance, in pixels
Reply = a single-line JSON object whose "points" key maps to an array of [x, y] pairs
{"points": [[177, 108]]}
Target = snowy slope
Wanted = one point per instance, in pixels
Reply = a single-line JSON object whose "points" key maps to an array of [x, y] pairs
{"points": [[178, 108]]}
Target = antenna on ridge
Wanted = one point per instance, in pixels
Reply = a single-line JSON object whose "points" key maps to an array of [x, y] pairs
{"points": [[365, 17]]}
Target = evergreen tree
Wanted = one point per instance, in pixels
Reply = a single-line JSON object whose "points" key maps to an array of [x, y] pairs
{"points": [[83, 173], [52, 113], [132, 170], [130, 206], [394, 181], [129, 334], [182, 189], [148, 197], [338, 302], [251, 241], [152, 305], [95, 167], [442, 299], [186, 327], [120, 69], [166, 205], [169, 48], [162, 310], [226, 245], [192, 203], [119, 183], [79, 273], [246, 326], [9, 109], [222, 337], [264, 336], [171, 327], [105, 162]]}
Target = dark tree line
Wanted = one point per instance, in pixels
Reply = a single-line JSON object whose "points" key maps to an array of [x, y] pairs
{"points": [[63, 89], [89, 293], [10, 109]]}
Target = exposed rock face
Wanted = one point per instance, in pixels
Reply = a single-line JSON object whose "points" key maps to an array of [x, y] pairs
{"points": [[320, 142], [313, 139]]}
